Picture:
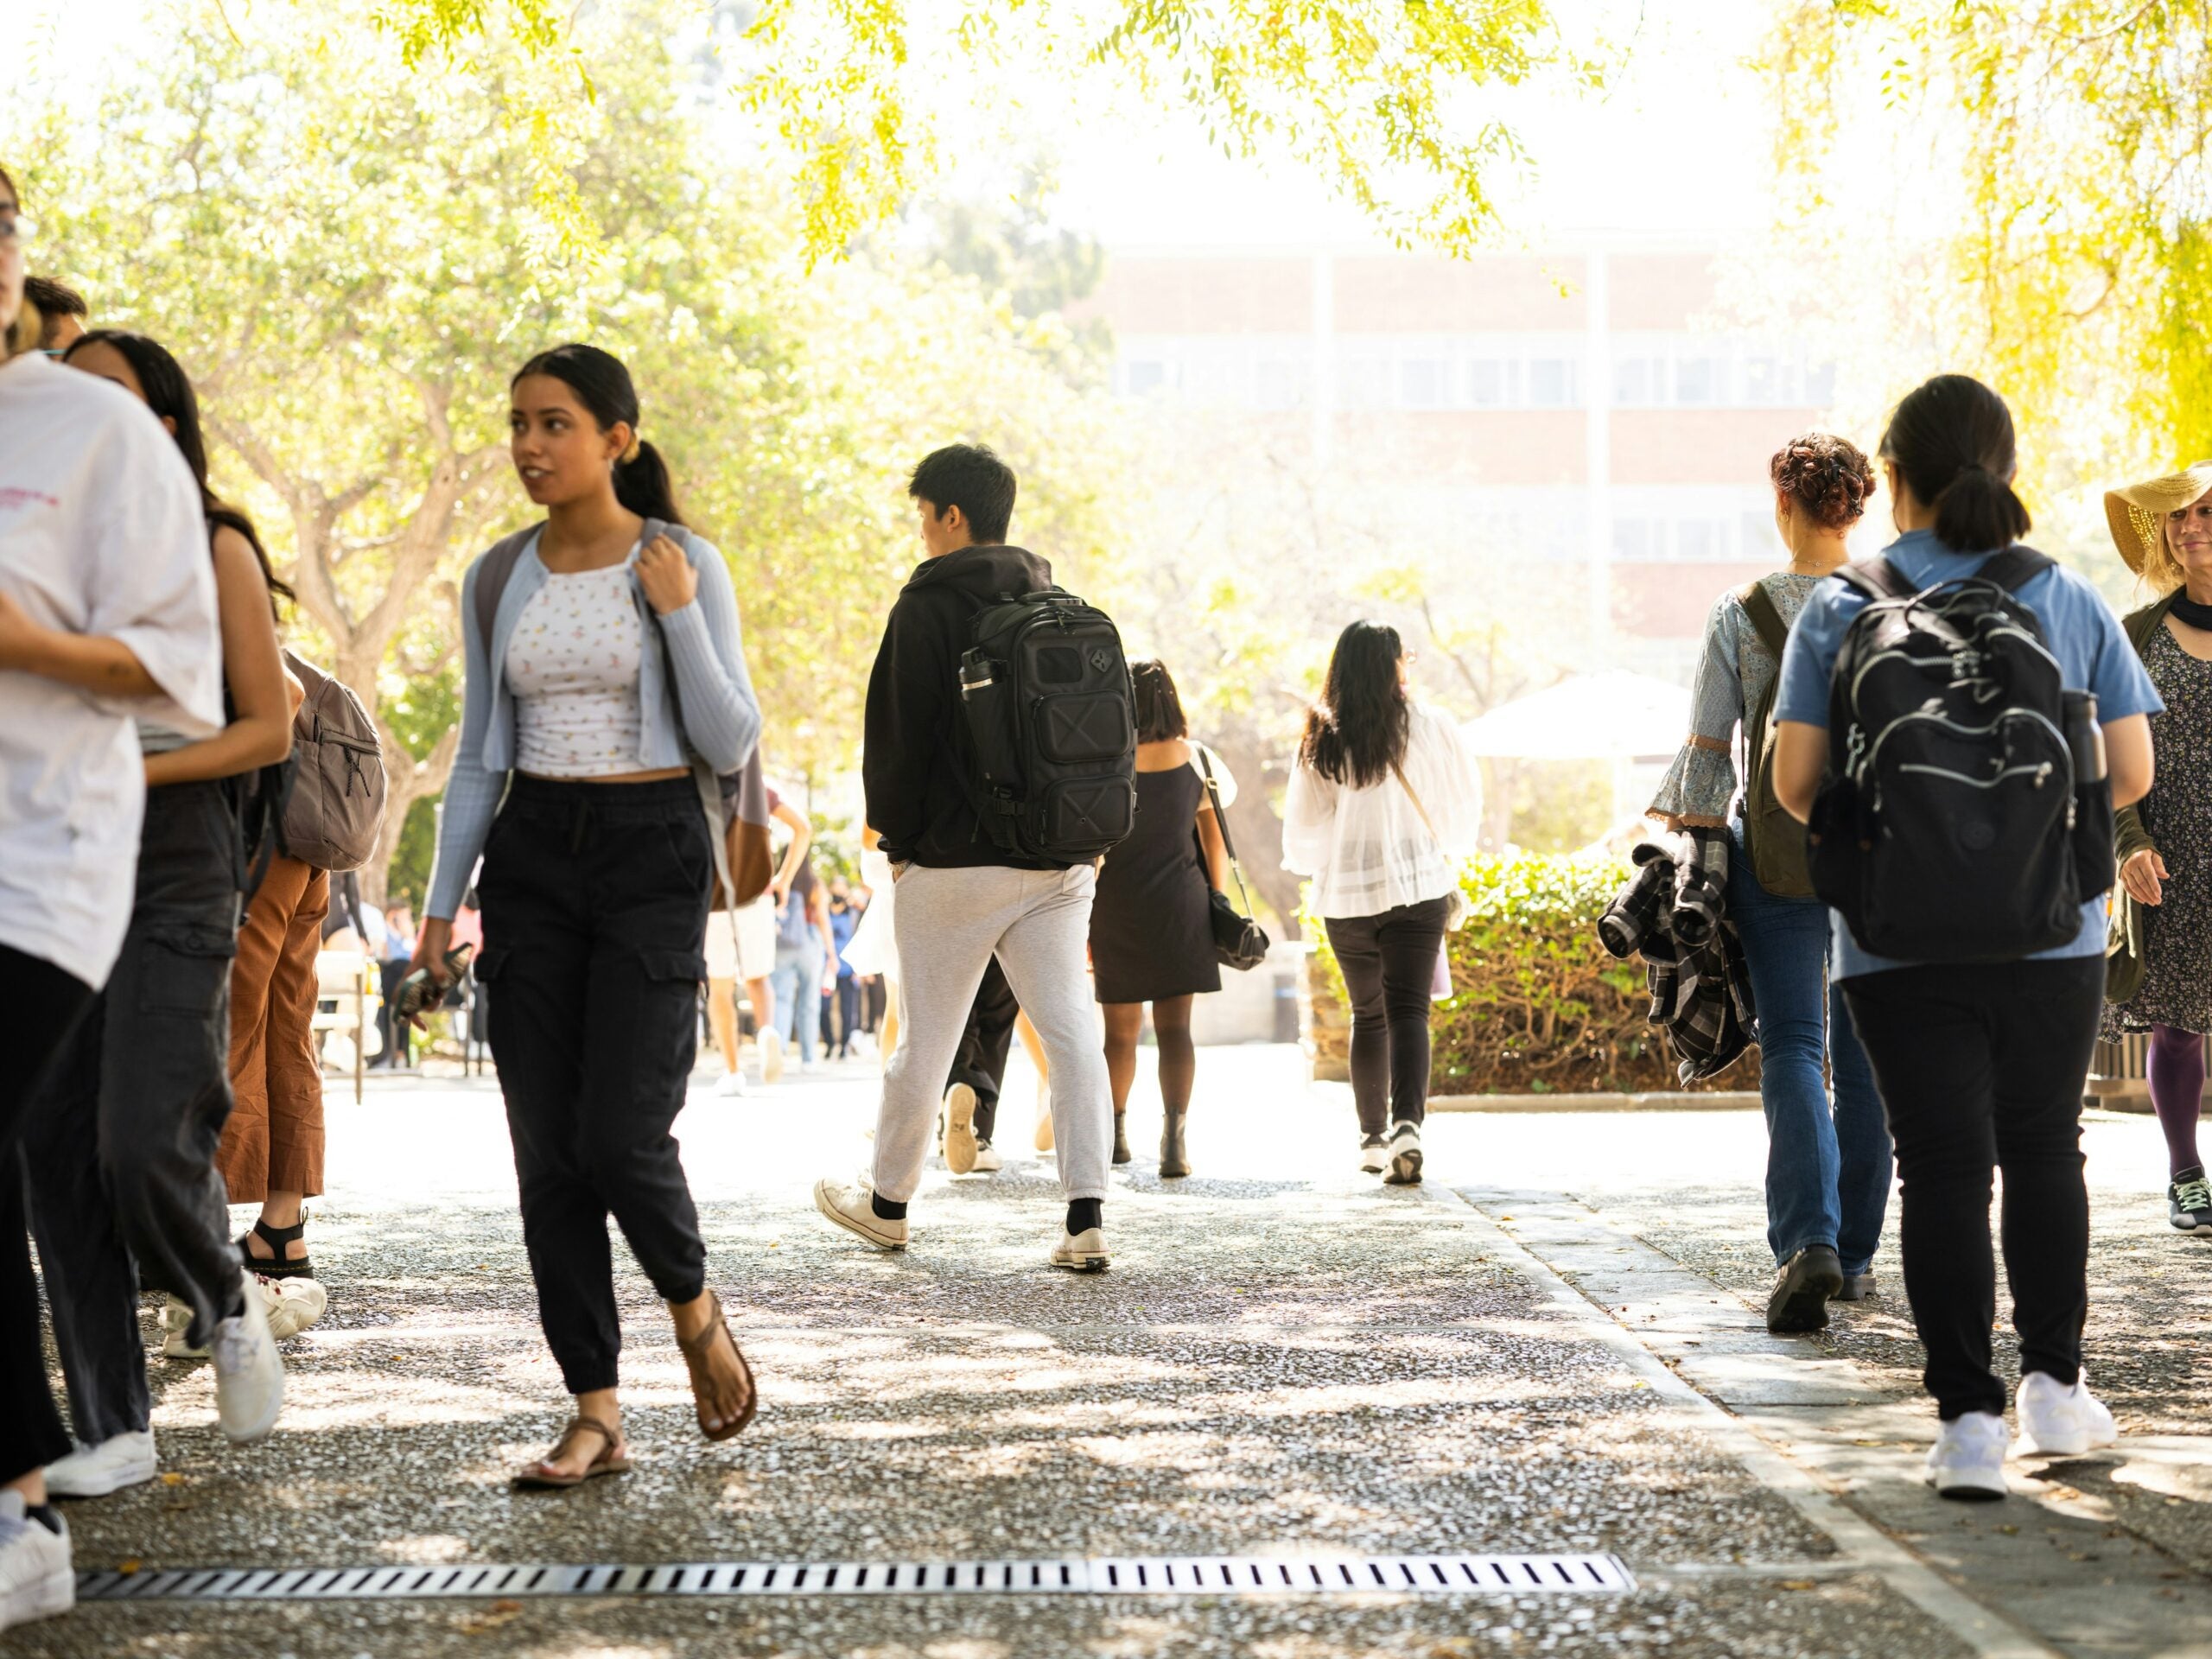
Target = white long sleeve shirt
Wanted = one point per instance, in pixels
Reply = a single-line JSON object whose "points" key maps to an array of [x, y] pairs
{"points": [[1368, 849], [101, 532]]}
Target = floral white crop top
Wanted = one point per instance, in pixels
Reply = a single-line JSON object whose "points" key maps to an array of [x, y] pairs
{"points": [[573, 667]]}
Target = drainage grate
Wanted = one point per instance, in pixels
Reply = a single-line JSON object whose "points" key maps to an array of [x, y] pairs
{"points": [[1137, 1575]]}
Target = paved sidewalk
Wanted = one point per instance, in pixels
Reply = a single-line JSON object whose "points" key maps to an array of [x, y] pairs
{"points": [[1286, 1357]]}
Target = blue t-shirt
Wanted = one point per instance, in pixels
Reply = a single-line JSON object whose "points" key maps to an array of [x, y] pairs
{"points": [[2094, 655]]}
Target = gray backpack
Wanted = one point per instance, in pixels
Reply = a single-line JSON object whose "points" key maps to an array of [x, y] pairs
{"points": [[334, 807]]}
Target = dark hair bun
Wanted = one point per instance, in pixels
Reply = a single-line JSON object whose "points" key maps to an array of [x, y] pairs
{"points": [[1825, 477]]}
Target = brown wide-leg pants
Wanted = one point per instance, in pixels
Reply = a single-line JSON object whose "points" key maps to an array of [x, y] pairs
{"points": [[274, 1139]]}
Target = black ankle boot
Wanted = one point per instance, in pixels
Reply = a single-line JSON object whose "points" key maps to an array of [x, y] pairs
{"points": [[1120, 1138], [1174, 1160]]}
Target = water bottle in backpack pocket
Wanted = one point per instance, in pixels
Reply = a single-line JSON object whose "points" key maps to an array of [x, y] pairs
{"points": [[1952, 825]]}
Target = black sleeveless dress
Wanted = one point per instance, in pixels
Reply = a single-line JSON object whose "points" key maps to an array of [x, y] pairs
{"points": [[1151, 925]]}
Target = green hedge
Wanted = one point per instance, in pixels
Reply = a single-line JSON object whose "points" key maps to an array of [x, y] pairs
{"points": [[1538, 1005]]}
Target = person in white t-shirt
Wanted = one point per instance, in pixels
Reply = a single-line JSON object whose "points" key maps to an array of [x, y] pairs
{"points": [[107, 610]]}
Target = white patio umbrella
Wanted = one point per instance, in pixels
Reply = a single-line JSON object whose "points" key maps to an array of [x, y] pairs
{"points": [[1614, 716]]}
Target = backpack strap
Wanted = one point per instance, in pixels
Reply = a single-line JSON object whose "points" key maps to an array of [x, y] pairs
{"points": [[1877, 578], [2014, 567], [1759, 605], [493, 572]]}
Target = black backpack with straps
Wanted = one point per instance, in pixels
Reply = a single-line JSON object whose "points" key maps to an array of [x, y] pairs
{"points": [[1949, 826]]}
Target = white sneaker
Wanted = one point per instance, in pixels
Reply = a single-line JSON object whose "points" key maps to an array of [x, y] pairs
{"points": [[732, 1084], [37, 1579], [1967, 1460], [249, 1373], [1374, 1154], [120, 1460], [176, 1320], [293, 1305], [2057, 1421], [771, 1056], [960, 1129], [1404, 1148], [987, 1162], [1082, 1252], [852, 1206]]}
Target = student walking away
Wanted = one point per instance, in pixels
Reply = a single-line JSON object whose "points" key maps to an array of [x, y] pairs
{"points": [[1827, 1169], [393, 960], [2160, 976], [802, 945], [843, 986], [992, 825], [62, 314], [741, 945], [120, 1151], [1152, 924], [611, 656], [107, 610], [1384, 804], [1936, 728]]}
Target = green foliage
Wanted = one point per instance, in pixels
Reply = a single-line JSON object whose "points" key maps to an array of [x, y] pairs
{"points": [[1393, 102], [408, 875], [1538, 1004]]}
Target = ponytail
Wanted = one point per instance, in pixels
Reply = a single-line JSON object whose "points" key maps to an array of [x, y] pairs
{"points": [[1952, 438], [641, 480], [643, 486]]}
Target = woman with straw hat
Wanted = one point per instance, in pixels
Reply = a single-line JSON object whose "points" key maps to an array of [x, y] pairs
{"points": [[2160, 976]]}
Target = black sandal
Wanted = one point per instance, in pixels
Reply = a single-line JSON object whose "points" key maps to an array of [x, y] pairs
{"points": [[276, 1238]]}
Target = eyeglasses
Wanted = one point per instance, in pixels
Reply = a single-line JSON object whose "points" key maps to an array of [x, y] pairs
{"points": [[18, 228]]}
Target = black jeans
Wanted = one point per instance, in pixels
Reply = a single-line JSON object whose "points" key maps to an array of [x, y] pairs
{"points": [[120, 1149], [396, 1033], [1389, 968], [40, 1008], [1982, 1066], [984, 1046], [595, 900]]}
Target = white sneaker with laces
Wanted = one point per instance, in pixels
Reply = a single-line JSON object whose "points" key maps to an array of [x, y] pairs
{"points": [[771, 1056], [249, 1372], [1967, 1460], [293, 1305], [987, 1162], [851, 1205], [176, 1320], [732, 1084], [2058, 1421], [120, 1460], [1374, 1154], [37, 1579], [1082, 1252]]}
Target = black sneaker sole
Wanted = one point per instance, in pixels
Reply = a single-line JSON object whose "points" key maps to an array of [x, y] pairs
{"points": [[1800, 1302], [1405, 1169]]}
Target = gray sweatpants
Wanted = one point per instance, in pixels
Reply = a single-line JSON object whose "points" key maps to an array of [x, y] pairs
{"points": [[948, 922]]}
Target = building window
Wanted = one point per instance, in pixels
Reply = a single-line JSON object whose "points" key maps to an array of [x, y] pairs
{"points": [[1551, 382], [1761, 540], [1768, 382], [1634, 539], [1421, 383], [1361, 383], [1493, 383], [1699, 540], [1277, 385], [1820, 385], [1639, 381], [1147, 377], [1700, 380]]}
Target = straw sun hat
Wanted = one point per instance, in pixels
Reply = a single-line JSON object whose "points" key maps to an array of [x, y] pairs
{"points": [[2137, 513]]}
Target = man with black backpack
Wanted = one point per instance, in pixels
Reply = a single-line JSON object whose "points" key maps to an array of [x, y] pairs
{"points": [[1000, 765]]}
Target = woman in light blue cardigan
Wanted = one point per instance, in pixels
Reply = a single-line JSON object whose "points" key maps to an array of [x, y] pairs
{"points": [[613, 666]]}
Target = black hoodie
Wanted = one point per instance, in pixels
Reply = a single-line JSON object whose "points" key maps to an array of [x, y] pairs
{"points": [[916, 796]]}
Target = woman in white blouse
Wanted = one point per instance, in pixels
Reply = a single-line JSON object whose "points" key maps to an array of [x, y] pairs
{"points": [[1384, 804], [612, 658]]}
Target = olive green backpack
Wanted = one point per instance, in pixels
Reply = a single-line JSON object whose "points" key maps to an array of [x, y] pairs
{"points": [[1774, 840]]}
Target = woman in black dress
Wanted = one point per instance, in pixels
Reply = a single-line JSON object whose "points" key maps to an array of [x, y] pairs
{"points": [[1150, 925]]}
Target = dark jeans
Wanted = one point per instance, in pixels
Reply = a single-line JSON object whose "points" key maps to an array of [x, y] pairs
{"points": [[40, 1007], [981, 1062], [396, 1031], [849, 1013], [595, 900], [1827, 1169], [120, 1148], [1982, 1066], [1389, 968]]}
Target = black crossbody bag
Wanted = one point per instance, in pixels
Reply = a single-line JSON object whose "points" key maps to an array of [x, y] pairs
{"points": [[1238, 941]]}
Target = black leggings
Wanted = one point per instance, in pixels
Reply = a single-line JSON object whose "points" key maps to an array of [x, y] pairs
{"points": [[1389, 968], [595, 933], [41, 1004], [1982, 1066]]}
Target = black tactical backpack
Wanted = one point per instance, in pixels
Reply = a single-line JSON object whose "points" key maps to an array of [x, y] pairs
{"points": [[1048, 720], [1949, 827]]}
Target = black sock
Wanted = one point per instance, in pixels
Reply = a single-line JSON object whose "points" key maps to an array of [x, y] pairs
{"points": [[884, 1210], [44, 1515], [1083, 1214]]}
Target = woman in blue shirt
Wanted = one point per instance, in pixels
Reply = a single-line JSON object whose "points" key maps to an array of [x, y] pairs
{"points": [[1980, 1063]]}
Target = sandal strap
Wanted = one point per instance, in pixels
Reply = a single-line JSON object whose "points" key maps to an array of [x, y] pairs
{"points": [[581, 1424], [703, 1342], [277, 1237]]}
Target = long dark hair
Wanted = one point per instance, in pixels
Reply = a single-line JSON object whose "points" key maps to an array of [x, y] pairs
{"points": [[1357, 732], [597, 378], [1159, 709], [168, 393], [1952, 438]]}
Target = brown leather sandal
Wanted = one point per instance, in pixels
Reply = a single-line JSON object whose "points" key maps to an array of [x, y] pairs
{"points": [[696, 1350], [538, 1477]]}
